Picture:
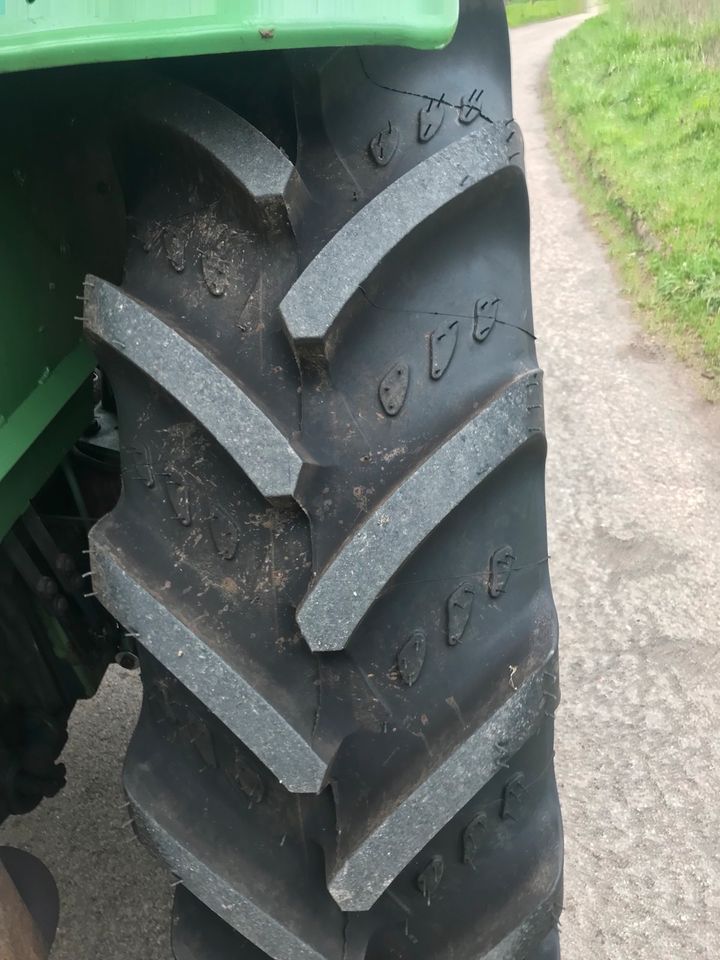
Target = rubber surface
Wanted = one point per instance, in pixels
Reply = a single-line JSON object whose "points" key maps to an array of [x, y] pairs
{"points": [[331, 538]]}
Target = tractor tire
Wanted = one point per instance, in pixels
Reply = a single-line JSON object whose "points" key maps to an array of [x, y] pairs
{"points": [[330, 544]]}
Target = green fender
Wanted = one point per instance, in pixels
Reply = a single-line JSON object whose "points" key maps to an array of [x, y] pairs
{"points": [[52, 33]]}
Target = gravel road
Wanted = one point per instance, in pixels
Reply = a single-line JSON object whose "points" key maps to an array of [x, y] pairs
{"points": [[633, 489]]}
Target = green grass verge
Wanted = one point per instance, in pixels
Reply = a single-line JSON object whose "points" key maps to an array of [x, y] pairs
{"points": [[520, 12], [637, 104]]}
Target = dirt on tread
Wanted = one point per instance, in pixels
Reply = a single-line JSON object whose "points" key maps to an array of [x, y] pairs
{"points": [[342, 600]]}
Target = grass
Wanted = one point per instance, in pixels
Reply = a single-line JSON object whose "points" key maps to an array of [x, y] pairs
{"points": [[520, 12], [636, 96]]}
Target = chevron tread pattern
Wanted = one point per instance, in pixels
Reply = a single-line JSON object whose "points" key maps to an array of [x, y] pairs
{"points": [[330, 544]]}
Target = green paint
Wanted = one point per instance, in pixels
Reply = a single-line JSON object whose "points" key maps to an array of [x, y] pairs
{"points": [[32, 416], [48, 197], [43, 456], [88, 672], [39, 286], [51, 33]]}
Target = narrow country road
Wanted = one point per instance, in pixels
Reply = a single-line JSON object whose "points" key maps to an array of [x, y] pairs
{"points": [[633, 495]]}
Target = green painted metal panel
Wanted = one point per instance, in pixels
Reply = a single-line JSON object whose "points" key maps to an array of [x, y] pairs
{"points": [[51, 33], [41, 405], [39, 287], [60, 211], [43, 456]]}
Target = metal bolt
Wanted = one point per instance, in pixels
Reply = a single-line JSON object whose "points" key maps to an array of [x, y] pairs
{"points": [[127, 660], [97, 386], [60, 607], [65, 563], [46, 587]]}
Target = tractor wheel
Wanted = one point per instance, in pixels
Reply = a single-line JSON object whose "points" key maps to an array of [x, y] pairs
{"points": [[330, 544]]}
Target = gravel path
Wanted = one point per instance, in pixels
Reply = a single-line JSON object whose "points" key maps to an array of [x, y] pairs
{"points": [[633, 488]]}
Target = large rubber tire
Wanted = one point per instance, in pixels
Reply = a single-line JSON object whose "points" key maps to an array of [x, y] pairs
{"points": [[331, 539]]}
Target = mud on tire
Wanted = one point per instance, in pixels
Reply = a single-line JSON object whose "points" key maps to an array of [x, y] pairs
{"points": [[331, 541]]}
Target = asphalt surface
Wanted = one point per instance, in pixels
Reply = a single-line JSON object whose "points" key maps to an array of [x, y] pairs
{"points": [[633, 494]]}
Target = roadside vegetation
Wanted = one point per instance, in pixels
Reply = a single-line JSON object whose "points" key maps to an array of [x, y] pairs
{"points": [[520, 12], [635, 95]]}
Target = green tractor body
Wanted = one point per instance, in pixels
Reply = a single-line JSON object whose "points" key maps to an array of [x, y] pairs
{"points": [[53, 33], [62, 217], [271, 431], [44, 362]]}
